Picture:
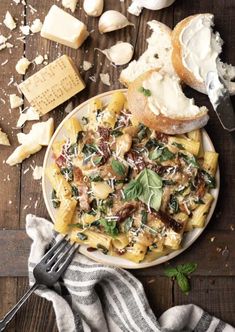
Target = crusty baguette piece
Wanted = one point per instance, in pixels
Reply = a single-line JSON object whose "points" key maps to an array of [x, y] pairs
{"points": [[138, 105], [226, 71], [157, 55]]}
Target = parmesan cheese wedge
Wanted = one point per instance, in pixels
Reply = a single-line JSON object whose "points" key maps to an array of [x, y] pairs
{"points": [[52, 85], [22, 152], [63, 28], [40, 133], [3, 138]]}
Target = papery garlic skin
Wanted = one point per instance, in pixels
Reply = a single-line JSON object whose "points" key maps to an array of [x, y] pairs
{"points": [[93, 7], [119, 54], [112, 20], [137, 5]]}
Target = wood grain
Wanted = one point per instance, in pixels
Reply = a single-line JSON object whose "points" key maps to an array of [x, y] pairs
{"points": [[213, 282]]}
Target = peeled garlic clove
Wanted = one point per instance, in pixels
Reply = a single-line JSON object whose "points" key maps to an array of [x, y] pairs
{"points": [[137, 5], [112, 20], [119, 54], [93, 7]]}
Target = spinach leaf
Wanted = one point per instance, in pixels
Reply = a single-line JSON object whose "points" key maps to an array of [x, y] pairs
{"points": [[153, 143], [75, 192], [210, 180], [97, 159], [77, 225], [143, 132], [166, 155], [155, 154], [103, 249], [133, 190], [54, 199], [152, 188], [73, 149], [110, 227], [67, 172], [173, 204], [82, 236], [178, 145], [89, 149], [80, 136], [118, 167], [189, 160]]}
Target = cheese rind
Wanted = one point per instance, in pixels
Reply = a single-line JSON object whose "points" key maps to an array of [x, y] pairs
{"points": [[52, 85], [63, 28]]}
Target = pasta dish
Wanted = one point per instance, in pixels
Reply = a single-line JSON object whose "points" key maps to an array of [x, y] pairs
{"points": [[126, 190]]}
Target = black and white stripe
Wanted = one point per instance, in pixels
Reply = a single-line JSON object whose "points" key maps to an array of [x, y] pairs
{"points": [[119, 305]]}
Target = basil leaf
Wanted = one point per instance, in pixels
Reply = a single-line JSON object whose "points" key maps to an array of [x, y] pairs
{"points": [[187, 268], [82, 236], [152, 188], [210, 180], [54, 199], [110, 226], [128, 224], [146, 92], [118, 167], [173, 204], [133, 190], [183, 282], [171, 272], [144, 217]]}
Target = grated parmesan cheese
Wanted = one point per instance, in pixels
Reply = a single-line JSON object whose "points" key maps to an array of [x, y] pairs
{"points": [[9, 21]]}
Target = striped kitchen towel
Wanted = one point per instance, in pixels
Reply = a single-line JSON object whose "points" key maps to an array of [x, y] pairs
{"points": [[94, 297]]}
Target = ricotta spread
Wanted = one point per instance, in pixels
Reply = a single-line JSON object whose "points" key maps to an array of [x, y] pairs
{"points": [[168, 98], [200, 46]]}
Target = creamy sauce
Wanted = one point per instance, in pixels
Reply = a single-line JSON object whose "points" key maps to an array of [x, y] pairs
{"points": [[168, 98], [200, 46]]}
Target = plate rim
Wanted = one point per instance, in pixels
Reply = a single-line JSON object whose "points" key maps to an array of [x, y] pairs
{"points": [[82, 249]]}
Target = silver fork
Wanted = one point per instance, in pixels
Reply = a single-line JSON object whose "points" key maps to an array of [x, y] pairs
{"points": [[46, 272]]}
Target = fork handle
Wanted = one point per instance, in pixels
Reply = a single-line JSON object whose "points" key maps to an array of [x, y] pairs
{"points": [[13, 311]]}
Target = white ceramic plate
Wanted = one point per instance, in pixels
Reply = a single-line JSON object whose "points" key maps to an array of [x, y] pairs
{"points": [[189, 238]]}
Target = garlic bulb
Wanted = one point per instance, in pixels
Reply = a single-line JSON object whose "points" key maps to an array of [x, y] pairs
{"points": [[120, 54], [112, 20], [93, 7], [137, 5]]}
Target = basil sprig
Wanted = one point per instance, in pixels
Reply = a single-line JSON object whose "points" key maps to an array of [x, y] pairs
{"points": [[152, 188], [181, 273], [146, 92], [133, 190], [118, 167], [110, 226]]}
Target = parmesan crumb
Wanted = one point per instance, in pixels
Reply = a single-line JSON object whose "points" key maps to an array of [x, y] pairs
{"points": [[22, 65], [25, 30], [86, 65], [37, 172], [105, 79], [9, 21], [39, 60], [15, 101], [70, 4], [36, 26]]}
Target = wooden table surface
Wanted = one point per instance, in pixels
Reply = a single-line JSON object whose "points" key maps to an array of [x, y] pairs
{"points": [[213, 284]]}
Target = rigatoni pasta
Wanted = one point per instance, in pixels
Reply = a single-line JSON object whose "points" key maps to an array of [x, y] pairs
{"points": [[126, 190]]}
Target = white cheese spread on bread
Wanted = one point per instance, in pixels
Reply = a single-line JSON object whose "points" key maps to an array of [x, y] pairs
{"points": [[200, 46], [166, 97]]}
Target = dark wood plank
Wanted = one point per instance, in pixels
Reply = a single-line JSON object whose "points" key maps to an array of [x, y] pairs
{"points": [[219, 259], [37, 314], [159, 293], [215, 295], [8, 296]]}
